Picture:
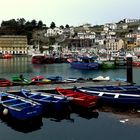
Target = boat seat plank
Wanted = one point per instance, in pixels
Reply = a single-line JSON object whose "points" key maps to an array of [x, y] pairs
{"points": [[116, 96], [9, 100], [19, 104], [101, 94], [44, 98]]}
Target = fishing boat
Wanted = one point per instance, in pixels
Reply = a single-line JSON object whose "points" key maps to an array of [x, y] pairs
{"points": [[117, 98], [7, 56], [18, 107], [38, 59], [136, 63], [78, 98], [86, 63], [108, 64], [42, 59], [48, 101]]}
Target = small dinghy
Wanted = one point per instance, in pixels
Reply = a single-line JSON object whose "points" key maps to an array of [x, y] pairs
{"points": [[101, 78], [18, 107], [47, 100]]}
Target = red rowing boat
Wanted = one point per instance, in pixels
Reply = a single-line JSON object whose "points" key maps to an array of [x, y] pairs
{"points": [[79, 98]]}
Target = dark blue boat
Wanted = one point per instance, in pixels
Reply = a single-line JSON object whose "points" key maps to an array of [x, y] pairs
{"points": [[48, 101], [18, 107], [116, 98], [121, 89], [86, 63]]}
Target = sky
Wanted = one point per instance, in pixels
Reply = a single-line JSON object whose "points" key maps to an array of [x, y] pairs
{"points": [[72, 12]]}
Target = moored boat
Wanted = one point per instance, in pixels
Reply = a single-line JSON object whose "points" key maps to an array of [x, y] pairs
{"points": [[5, 82], [117, 98], [55, 79], [39, 80], [20, 80], [7, 56], [38, 59], [19, 108], [122, 89], [42, 59], [101, 78], [108, 64], [136, 63], [78, 98], [49, 101], [86, 63]]}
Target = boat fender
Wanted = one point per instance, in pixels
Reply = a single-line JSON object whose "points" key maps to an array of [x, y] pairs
{"points": [[5, 111]]}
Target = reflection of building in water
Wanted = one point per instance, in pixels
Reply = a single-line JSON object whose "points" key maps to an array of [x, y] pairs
{"points": [[13, 44], [15, 65]]}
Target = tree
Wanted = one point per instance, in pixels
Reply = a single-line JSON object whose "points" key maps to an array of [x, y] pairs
{"points": [[21, 21], [40, 24], [34, 23], [61, 27], [10, 23], [67, 26], [52, 26]]}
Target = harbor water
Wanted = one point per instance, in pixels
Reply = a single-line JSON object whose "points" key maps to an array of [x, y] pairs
{"points": [[104, 123]]}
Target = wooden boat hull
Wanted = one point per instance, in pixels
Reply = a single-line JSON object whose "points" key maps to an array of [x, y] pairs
{"points": [[136, 63], [108, 65], [48, 101], [79, 99], [116, 98], [19, 108], [20, 81], [85, 66], [121, 89]]}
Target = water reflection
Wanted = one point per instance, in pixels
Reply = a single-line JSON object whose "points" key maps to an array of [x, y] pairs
{"points": [[123, 114], [15, 65], [23, 126], [88, 114], [59, 116]]}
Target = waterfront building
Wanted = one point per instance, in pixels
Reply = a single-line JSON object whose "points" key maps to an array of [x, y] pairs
{"points": [[132, 40], [114, 45], [13, 44], [76, 43]]}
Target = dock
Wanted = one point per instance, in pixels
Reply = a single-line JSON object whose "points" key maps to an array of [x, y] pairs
{"points": [[48, 87]]}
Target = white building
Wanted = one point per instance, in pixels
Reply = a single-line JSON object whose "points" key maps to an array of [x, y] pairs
{"points": [[86, 34], [53, 32], [124, 26], [131, 20], [111, 26], [114, 44]]}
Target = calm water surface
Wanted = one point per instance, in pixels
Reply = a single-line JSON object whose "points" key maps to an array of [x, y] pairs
{"points": [[108, 124]]}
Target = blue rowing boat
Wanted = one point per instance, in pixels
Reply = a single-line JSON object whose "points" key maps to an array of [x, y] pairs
{"points": [[130, 98], [47, 100], [18, 107], [121, 89]]}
